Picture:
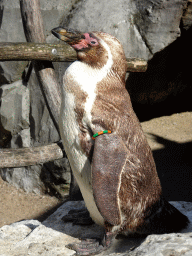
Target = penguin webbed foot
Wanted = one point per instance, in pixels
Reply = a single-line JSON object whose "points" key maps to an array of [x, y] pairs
{"points": [[86, 247], [78, 217], [92, 246]]}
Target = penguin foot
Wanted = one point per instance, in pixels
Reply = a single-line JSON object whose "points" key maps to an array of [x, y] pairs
{"points": [[86, 247], [92, 246], [78, 217]]}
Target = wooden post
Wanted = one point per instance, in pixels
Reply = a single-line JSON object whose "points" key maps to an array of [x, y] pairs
{"points": [[34, 32]]}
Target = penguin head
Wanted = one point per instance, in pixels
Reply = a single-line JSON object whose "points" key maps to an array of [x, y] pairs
{"points": [[86, 45], [79, 41], [93, 48]]}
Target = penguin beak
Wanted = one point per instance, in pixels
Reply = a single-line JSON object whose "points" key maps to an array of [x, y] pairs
{"points": [[70, 36]]}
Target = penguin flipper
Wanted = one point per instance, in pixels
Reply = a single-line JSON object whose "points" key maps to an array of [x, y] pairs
{"points": [[109, 157]]}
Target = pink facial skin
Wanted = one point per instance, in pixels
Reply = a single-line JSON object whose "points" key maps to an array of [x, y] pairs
{"points": [[85, 43]]}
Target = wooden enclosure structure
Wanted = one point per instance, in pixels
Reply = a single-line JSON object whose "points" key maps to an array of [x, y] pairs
{"points": [[42, 55]]}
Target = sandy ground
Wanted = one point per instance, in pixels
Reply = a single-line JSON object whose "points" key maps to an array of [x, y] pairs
{"points": [[17, 205], [170, 138]]}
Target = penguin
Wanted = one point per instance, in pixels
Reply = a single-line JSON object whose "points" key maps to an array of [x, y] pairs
{"points": [[106, 146]]}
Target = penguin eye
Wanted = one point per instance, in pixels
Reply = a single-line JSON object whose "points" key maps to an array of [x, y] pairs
{"points": [[93, 42]]}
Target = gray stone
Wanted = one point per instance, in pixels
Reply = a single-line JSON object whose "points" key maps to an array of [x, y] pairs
{"points": [[165, 245], [167, 79], [143, 27], [187, 16], [30, 237], [11, 31], [27, 178], [159, 22], [113, 17], [31, 125], [14, 112], [41, 125]]}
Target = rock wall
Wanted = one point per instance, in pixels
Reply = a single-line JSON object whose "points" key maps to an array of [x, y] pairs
{"points": [[143, 27], [158, 31]]}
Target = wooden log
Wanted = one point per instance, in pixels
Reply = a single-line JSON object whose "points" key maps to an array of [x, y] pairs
{"points": [[53, 52], [36, 51], [29, 156]]}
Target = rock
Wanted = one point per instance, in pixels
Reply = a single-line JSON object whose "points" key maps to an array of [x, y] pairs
{"points": [[14, 113], [187, 16], [26, 178], [11, 31], [42, 128], [26, 126], [143, 27], [15, 117], [166, 245], [167, 80], [115, 19], [159, 22], [30, 237]]}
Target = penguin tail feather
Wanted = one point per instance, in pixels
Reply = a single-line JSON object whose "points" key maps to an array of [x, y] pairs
{"points": [[164, 218]]}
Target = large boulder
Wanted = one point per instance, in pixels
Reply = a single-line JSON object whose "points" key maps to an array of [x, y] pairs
{"points": [[143, 27], [52, 235]]}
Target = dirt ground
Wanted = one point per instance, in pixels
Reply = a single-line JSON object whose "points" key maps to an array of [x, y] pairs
{"points": [[170, 138], [17, 205]]}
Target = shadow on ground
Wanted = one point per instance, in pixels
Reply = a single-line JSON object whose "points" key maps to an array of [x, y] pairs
{"points": [[174, 166]]}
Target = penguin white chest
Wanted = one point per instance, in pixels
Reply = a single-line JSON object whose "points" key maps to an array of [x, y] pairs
{"points": [[77, 80], [70, 131], [87, 79], [79, 162]]}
